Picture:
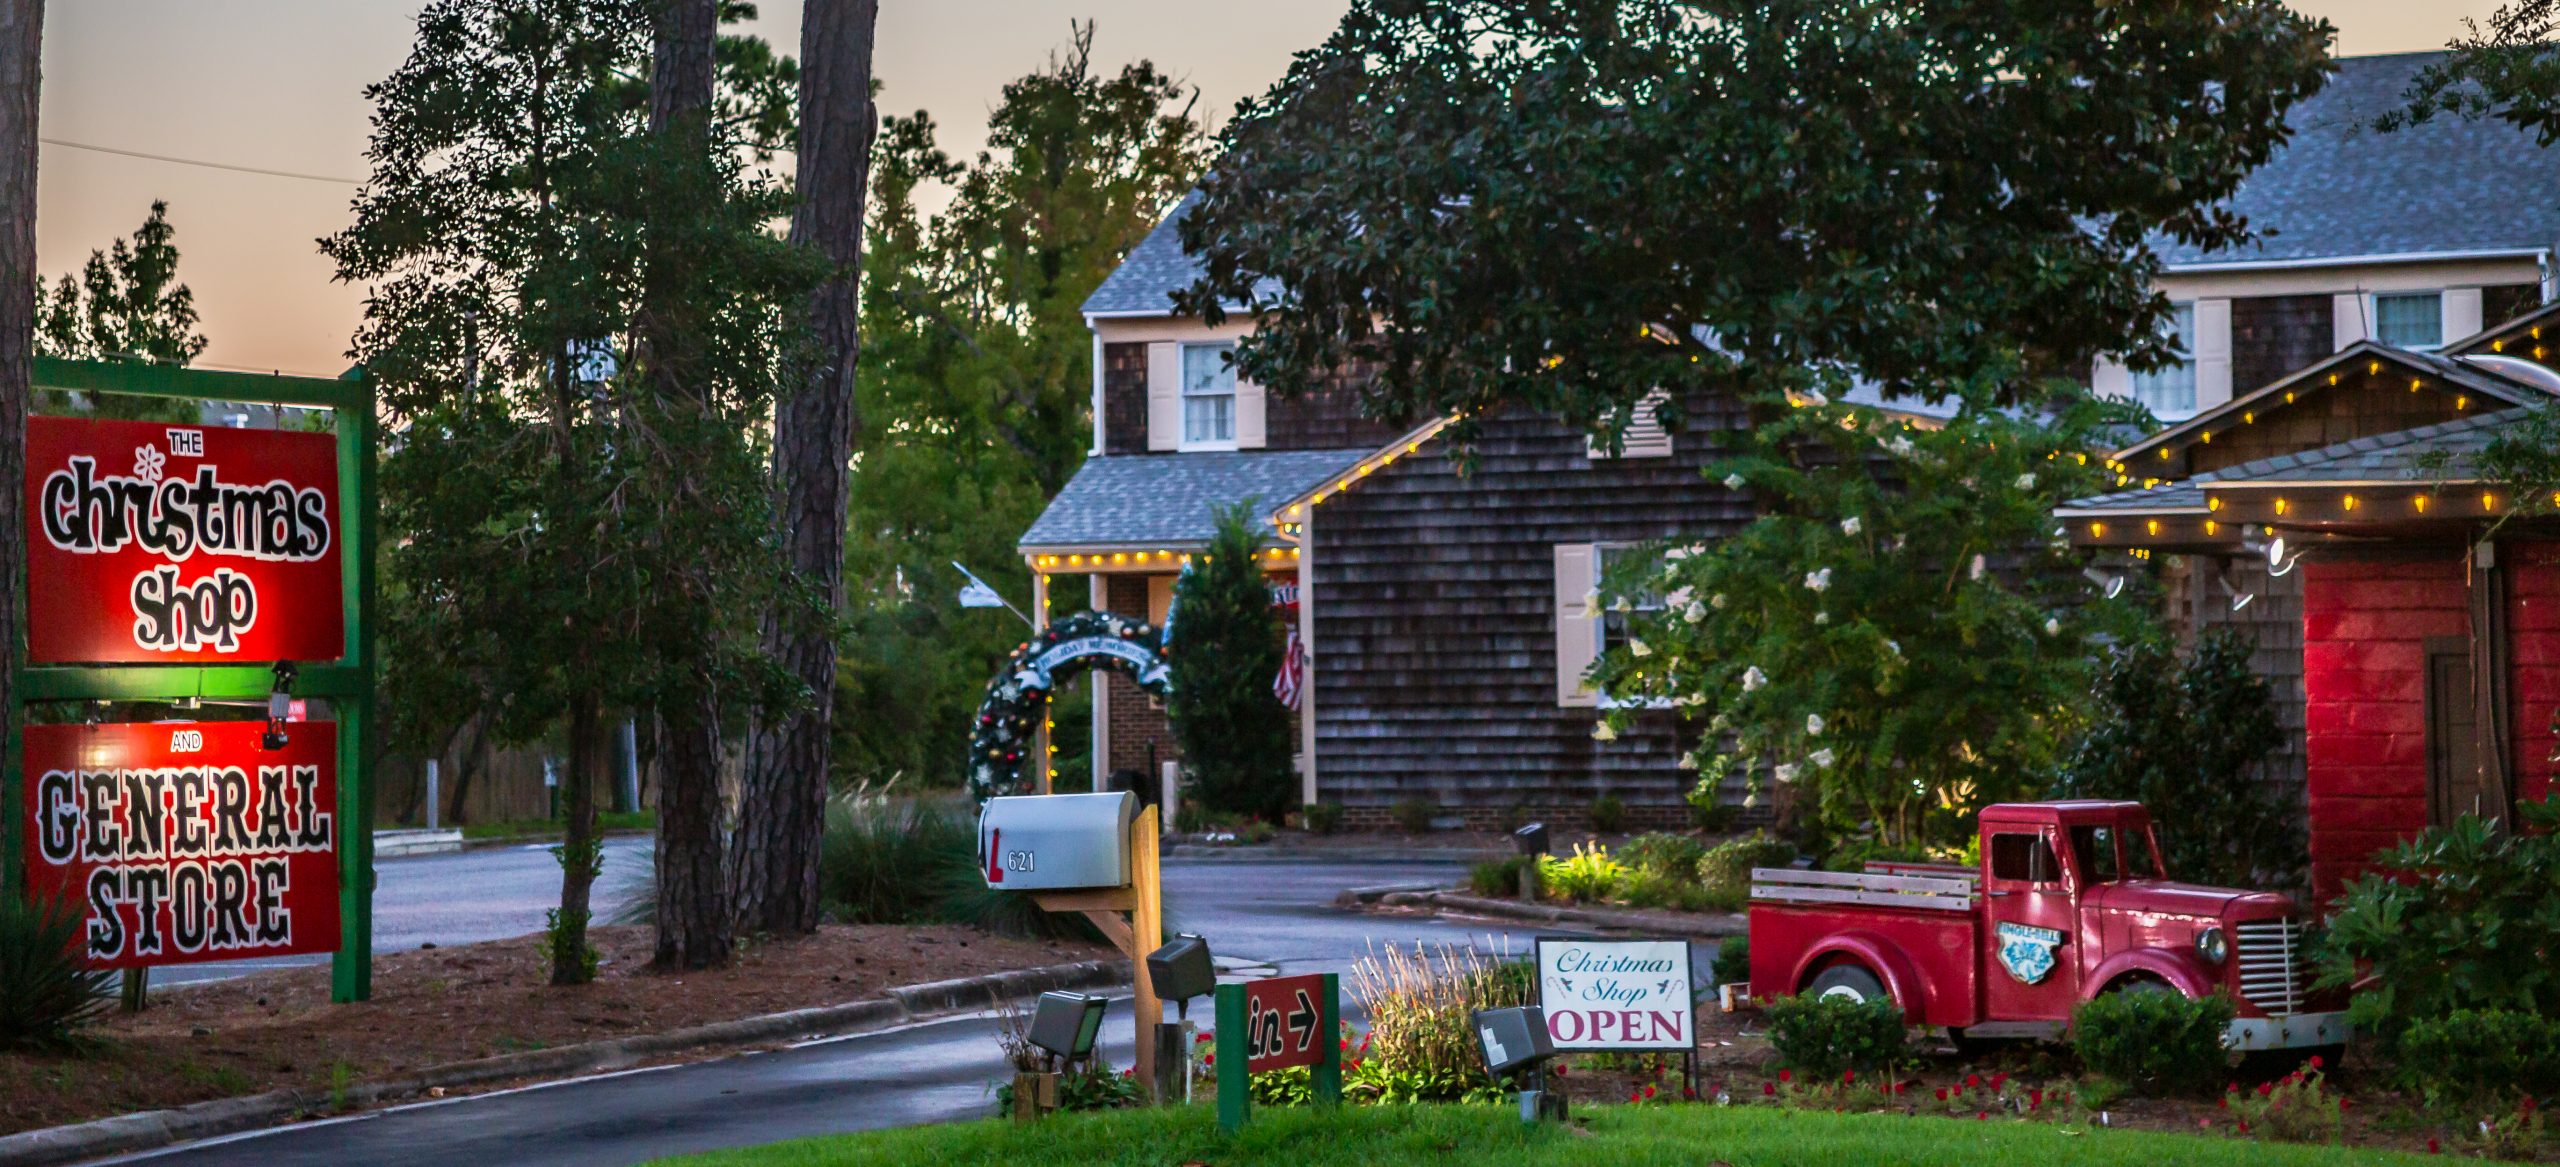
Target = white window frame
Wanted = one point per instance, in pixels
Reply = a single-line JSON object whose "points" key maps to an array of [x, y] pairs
{"points": [[2373, 305], [1188, 444]]}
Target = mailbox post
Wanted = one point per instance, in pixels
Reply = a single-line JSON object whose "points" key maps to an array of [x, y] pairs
{"points": [[1089, 853]]}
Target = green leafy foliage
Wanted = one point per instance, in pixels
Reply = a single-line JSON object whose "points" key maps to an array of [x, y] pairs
{"points": [[125, 305], [2184, 739], [1898, 640], [1413, 813], [1586, 876], [47, 992], [975, 379], [1608, 814], [2460, 917], [1422, 1044], [1678, 890], [2502, 67], [1664, 852], [2474, 1055], [1322, 818], [1823, 1036], [1725, 870], [2154, 1040], [1530, 204], [2297, 1108], [886, 859], [1497, 877], [1225, 647], [1732, 965]]}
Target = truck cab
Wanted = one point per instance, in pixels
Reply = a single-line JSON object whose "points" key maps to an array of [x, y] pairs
{"points": [[2070, 900]]}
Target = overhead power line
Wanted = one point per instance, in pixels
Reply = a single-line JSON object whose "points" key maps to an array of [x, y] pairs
{"points": [[200, 162]]}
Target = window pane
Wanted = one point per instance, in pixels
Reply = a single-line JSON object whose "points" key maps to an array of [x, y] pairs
{"points": [[2021, 859], [1205, 369], [2409, 321], [2095, 849], [1208, 393], [1208, 419], [2172, 391]]}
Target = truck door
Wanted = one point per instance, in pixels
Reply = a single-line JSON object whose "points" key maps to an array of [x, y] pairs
{"points": [[2030, 972]]}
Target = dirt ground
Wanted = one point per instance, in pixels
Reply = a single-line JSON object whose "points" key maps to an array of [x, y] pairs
{"points": [[433, 1006]]}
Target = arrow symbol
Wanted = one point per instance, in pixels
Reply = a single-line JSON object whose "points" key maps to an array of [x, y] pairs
{"points": [[1302, 1020]]}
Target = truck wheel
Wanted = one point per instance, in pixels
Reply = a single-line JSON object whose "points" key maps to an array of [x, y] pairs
{"points": [[1848, 981]]}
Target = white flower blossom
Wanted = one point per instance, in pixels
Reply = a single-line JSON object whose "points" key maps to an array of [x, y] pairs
{"points": [[1753, 678], [1980, 566], [1894, 647], [1900, 446], [2027, 481], [1719, 723], [1822, 757], [1695, 612], [1688, 761], [1786, 772], [1604, 732], [1733, 482], [1813, 724], [1716, 601], [1818, 580], [1849, 526], [1639, 648], [1750, 799], [2052, 626], [1822, 617]]}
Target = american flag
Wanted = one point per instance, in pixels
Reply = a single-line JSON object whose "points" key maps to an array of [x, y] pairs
{"points": [[1293, 666]]}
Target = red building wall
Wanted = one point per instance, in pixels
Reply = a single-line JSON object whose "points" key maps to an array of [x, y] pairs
{"points": [[2533, 623], [2364, 628]]}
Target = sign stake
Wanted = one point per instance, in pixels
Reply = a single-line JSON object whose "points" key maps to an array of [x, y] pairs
{"points": [[1234, 1085]]}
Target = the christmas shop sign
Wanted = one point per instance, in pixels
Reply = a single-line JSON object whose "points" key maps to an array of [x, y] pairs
{"points": [[184, 842], [1617, 994], [154, 543]]}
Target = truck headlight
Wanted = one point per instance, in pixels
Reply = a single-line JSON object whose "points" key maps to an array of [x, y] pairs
{"points": [[2212, 945]]}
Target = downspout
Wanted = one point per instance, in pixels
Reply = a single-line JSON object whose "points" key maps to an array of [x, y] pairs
{"points": [[1096, 450]]}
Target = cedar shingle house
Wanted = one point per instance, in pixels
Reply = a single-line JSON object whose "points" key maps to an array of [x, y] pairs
{"points": [[1448, 619]]}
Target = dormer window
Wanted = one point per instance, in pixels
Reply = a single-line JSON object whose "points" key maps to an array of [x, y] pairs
{"points": [[1208, 397], [2170, 393], [2410, 320]]}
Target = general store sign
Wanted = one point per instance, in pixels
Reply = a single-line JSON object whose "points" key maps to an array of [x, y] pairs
{"points": [[185, 842], [1617, 994], [152, 543]]}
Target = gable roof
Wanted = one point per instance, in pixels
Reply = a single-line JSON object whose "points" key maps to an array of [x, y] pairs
{"points": [[2339, 190], [1169, 500], [2471, 377], [2392, 458]]}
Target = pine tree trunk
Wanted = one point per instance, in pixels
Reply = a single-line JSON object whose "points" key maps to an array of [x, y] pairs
{"points": [[21, 65], [571, 962], [783, 814], [696, 925]]}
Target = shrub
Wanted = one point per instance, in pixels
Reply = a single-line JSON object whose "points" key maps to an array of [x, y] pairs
{"points": [[2153, 1039], [1660, 851], [1414, 813], [1855, 854], [1608, 814], [2184, 739], [2458, 918], [2297, 1108], [1422, 1042], [1732, 964], [880, 852], [1224, 650], [1646, 887], [1725, 871], [1497, 877], [1589, 875], [1709, 815], [47, 994], [1822, 1036], [1324, 818], [2474, 1055]]}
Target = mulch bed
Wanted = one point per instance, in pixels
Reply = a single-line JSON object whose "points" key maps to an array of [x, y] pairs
{"points": [[432, 1006], [1735, 1057]]}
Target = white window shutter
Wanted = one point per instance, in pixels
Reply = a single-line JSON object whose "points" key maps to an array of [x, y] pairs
{"points": [[1249, 410], [1577, 624], [1164, 396]]}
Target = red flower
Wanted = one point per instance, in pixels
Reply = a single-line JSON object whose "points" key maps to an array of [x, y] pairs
{"points": [[1786, 1075], [1131, 1072], [2244, 1126], [2035, 1098], [1209, 1059], [1346, 1045], [2233, 1088], [2317, 1061], [1689, 1092], [1648, 1091], [1202, 1039], [1848, 1076], [2525, 1105], [2223, 1102], [1983, 1115], [2266, 1088], [1768, 1089], [2000, 1079], [1633, 1098], [1972, 1080], [2432, 1148], [1942, 1093]]}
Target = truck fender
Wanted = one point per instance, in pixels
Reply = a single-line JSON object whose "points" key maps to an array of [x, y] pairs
{"points": [[1880, 956], [2180, 968]]}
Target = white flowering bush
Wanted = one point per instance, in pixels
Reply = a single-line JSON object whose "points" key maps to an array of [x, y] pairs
{"points": [[1903, 637]]}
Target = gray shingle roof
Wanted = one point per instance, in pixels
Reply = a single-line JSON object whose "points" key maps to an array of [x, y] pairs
{"points": [[1166, 499], [2391, 457], [2477, 378], [2177, 496], [2339, 189]]}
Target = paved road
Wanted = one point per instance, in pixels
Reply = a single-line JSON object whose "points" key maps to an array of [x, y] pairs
{"points": [[1277, 912], [487, 893]]}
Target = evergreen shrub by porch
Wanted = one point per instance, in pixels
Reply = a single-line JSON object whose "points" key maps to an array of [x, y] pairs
{"points": [[2462, 917], [2154, 1040], [1414, 813], [1608, 814], [1663, 852], [2476, 1055], [1225, 646], [1497, 877], [1725, 871], [1821, 1036], [1323, 818], [46, 993]]}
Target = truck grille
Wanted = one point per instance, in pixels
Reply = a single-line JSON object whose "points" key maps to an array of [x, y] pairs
{"points": [[2272, 965]]}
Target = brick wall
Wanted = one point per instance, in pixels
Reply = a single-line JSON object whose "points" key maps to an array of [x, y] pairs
{"points": [[1137, 717], [2533, 657], [2364, 631]]}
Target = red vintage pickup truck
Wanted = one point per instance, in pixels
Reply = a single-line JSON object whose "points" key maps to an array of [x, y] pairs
{"points": [[2071, 901]]}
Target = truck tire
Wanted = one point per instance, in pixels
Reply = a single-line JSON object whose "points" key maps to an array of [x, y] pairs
{"points": [[1848, 981]]}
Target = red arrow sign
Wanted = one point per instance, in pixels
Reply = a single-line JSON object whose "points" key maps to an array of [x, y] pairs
{"points": [[1282, 1023]]}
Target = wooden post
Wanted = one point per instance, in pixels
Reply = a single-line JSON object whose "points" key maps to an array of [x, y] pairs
{"points": [[1146, 932]]}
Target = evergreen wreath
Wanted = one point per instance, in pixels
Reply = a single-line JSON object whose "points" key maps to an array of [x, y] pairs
{"points": [[1018, 698]]}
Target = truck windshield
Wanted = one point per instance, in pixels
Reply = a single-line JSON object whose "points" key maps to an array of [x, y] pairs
{"points": [[2107, 855]]}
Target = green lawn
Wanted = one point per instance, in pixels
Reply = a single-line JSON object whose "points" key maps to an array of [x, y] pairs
{"points": [[1688, 1136]]}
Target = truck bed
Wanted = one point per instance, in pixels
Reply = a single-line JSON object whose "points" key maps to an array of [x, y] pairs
{"points": [[1802, 921]]}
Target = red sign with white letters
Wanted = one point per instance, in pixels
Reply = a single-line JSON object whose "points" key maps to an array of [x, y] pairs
{"points": [[1283, 1022], [154, 543], [186, 841]]}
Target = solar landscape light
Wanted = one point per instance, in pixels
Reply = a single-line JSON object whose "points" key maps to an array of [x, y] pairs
{"points": [[1516, 1039], [1182, 970], [1065, 1024], [1531, 839]]}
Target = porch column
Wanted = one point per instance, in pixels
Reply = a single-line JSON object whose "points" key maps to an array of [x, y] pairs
{"points": [[1040, 624], [1098, 596], [1307, 674]]}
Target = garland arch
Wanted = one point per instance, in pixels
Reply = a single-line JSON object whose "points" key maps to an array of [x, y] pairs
{"points": [[1018, 698]]}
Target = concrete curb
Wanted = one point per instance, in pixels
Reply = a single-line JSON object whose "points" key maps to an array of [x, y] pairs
{"points": [[1708, 926], [126, 1133]]}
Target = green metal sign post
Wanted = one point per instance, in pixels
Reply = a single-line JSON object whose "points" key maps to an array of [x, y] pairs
{"points": [[346, 683], [1274, 1024]]}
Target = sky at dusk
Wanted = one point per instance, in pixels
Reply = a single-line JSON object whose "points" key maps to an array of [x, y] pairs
{"points": [[278, 85]]}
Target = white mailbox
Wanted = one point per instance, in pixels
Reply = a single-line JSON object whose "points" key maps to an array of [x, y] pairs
{"points": [[1056, 842]]}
